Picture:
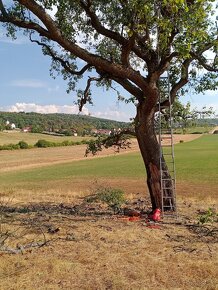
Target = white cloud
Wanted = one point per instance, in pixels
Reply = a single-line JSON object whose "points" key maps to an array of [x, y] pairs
{"points": [[44, 109], [29, 83]]}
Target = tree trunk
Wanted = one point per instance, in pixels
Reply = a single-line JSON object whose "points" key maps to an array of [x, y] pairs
{"points": [[150, 151]]}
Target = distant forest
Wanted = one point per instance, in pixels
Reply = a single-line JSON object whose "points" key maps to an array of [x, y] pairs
{"points": [[58, 122]]}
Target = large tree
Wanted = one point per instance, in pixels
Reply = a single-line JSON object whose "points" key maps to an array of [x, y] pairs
{"points": [[128, 42]]}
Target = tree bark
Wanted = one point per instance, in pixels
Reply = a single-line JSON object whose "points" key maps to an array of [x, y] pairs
{"points": [[150, 151]]}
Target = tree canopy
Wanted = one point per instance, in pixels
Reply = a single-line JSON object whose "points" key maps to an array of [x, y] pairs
{"points": [[133, 43], [129, 42]]}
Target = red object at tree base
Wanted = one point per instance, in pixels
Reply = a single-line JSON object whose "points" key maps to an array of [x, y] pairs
{"points": [[156, 215]]}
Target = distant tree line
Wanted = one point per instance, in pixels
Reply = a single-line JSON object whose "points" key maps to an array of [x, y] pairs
{"points": [[63, 123], [42, 144]]}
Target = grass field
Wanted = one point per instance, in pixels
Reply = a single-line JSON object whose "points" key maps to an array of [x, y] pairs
{"points": [[94, 249], [196, 161], [13, 137]]}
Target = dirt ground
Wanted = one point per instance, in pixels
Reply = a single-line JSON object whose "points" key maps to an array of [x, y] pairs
{"points": [[20, 159], [86, 246]]}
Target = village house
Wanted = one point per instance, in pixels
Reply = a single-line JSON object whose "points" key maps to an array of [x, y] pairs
{"points": [[101, 132], [9, 125], [26, 129]]}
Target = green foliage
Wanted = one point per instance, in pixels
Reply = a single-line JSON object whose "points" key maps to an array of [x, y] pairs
{"points": [[113, 197], [23, 145], [44, 144], [209, 216], [61, 123], [150, 29], [93, 147], [10, 147], [116, 139], [185, 117], [20, 145]]}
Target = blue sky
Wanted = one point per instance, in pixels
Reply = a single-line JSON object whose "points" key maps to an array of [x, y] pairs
{"points": [[26, 85]]}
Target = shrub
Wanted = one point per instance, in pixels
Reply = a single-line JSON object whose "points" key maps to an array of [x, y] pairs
{"points": [[9, 147], [66, 143], [23, 145], [113, 197], [43, 143], [209, 216]]}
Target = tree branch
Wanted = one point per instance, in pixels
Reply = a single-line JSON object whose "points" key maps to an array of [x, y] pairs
{"points": [[26, 24], [126, 49], [183, 80], [54, 34], [202, 62], [42, 15], [96, 24], [65, 63], [86, 95], [130, 88], [3, 10], [118, 139]]}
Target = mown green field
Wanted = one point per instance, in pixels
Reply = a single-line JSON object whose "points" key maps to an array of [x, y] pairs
{"points": [[13, 137], [196, 161]]}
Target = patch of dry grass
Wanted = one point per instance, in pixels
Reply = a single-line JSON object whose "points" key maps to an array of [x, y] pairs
{"points": [[103, 252], [13, 137]]}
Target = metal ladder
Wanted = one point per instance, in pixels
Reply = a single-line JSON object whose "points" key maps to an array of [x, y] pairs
{"points": [[168, 170]]}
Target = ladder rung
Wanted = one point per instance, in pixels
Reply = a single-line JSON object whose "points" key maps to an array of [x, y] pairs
{"points": [[171, 171], [168, 187], [166, 137]]}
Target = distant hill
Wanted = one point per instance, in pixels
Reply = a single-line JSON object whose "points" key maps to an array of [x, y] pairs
{"points": [[58, 122], [212, 122]]}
